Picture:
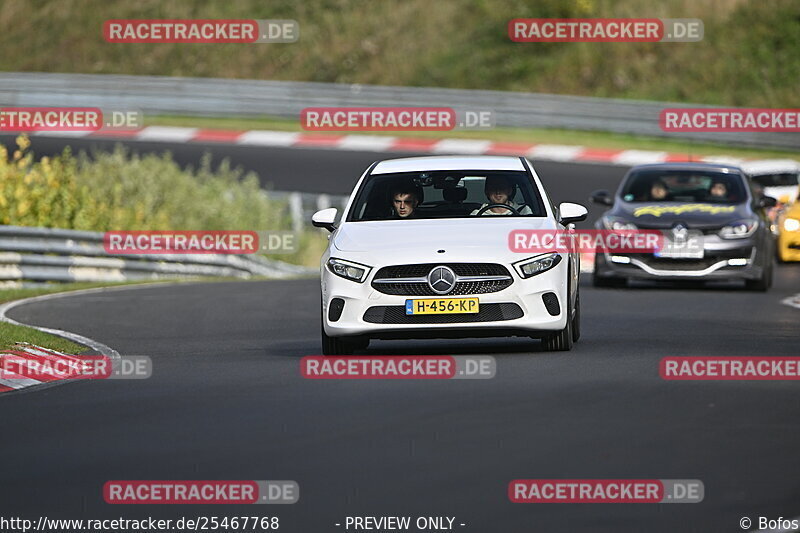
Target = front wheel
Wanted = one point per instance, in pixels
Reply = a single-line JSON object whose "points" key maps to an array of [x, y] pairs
{"points": [[576, 321], [335, 345], [763, 283], [563, 340], [605, 281]]}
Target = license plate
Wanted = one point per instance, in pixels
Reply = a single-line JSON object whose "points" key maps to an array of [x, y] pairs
{"points": [[672, 251], [688, 247], [442, 306]]}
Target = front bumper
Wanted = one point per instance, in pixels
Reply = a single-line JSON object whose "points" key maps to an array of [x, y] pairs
{"points": [[722, 260], [789, 245], [518, 309]]}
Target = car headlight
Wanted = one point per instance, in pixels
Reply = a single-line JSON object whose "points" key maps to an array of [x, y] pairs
{"points": [[791, 224], [618, 224], [739, 230], [348, 269], [536, 265]]}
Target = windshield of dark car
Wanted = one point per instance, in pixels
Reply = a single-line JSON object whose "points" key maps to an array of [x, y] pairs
{"points": [[445, 194], [661, 186], [782, 179]]}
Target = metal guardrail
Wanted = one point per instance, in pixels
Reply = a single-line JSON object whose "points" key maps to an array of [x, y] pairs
{"points": [[302, 205], [229, 97], [45, 254]]}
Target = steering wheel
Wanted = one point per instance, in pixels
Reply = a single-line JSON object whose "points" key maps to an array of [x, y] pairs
{"points": [[490, 206]]}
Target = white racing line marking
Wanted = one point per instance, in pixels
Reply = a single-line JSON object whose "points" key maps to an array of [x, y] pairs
{"points": [[74, 337], [25, 385], [792, 301]]}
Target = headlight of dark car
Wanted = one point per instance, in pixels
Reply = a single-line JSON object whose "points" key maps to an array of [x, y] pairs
{"points": [[528, 268], [739, 229], [617, 223], [348, 269]]}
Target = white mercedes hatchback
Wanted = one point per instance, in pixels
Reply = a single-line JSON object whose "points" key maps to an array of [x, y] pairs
{"points": [[422, 251]]}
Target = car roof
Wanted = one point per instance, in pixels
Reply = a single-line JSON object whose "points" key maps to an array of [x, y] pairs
{"points": [[770, 166], [719, 167], [448, 162]]}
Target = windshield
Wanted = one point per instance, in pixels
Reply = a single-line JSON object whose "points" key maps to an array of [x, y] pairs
{"points": [[446, 194], [777, 180], [684, 186]]}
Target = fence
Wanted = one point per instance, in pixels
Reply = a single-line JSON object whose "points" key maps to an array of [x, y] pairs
{"points": [[229, 97], [46, 255]]}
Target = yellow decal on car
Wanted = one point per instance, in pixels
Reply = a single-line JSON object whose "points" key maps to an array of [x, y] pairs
{"points": [[658, 210]]}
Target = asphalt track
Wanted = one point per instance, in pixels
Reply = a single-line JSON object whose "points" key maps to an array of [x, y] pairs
{"points": [[226, 401]]}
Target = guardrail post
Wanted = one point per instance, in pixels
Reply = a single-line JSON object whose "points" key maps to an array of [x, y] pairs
{"points": [[296, 211]]}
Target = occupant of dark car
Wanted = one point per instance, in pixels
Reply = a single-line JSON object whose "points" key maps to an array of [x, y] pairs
{"points": [[718, 191], [499, 190], [658, 191], [404, 202]]}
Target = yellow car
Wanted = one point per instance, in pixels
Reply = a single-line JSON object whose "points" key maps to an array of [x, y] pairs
{"points": [[789, 233]]}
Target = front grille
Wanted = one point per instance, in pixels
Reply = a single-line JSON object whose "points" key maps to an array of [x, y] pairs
{"points": [[396, 314], [422, 270]]}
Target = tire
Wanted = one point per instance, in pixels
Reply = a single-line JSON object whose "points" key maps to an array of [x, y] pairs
{"points": [[763, 283], [605, 282], [339, 345], [563, 340], [609, 283], [576, 322]]}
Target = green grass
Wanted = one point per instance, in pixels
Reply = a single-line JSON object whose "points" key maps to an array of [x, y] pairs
{"points": [[749, 55], [591, 139], [11, 334]]}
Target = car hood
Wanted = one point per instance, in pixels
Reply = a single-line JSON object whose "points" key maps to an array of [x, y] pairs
{"points": [[412, 241], [694, 215]]}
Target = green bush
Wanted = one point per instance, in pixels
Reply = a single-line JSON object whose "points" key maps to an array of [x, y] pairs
{"points": [[123, 191]]}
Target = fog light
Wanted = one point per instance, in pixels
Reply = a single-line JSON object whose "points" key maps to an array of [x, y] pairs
{"points": [[737, 262], [622, 259], [335, 308]]}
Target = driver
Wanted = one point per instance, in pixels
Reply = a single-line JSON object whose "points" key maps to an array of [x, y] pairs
{"points": [[499, 190], [718, 191], [404, 202], [658, 191]]}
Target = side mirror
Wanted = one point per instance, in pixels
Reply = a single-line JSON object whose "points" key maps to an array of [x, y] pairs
{"points": [[602, 197], [767, 201], [569, 213], [325, 219]]}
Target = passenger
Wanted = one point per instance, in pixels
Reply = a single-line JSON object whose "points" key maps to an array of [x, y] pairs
{"points": [[499, 190]]}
